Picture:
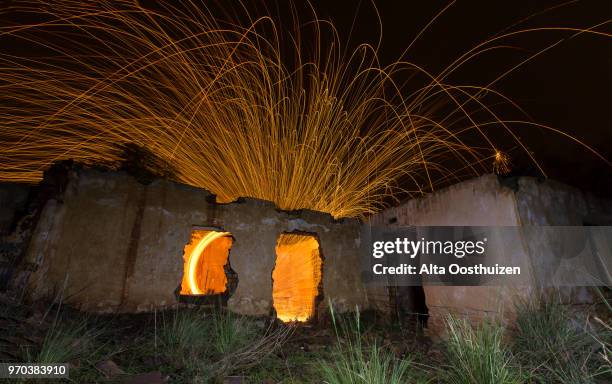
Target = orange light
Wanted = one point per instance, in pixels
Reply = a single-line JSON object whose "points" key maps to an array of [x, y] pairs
{"points": [[501, 163], [296, 277], [205, 259]]}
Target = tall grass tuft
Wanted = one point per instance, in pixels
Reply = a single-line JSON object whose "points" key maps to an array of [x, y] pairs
{"points": [[558, 347], [231, 332], [212, 345], [353, 362], [186, 332], [240, 345], [476, 355], [67, 342]]}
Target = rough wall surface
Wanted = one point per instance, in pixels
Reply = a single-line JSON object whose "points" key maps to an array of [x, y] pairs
{"points": [[483, 201], [114, 244], [552, 203], [81, 243], [111, 243], [478, 202]]}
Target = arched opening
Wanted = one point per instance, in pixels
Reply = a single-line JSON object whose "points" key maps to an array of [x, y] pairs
{"points": [[206, 263], [296, 278]]}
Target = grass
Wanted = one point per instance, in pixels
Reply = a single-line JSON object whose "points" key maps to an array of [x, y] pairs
{"points": [[80, 342], [231, 332], [182, 339], [373, 365], [548, 344], [66, 343], [561, 347], [209, 346], [477, 355], [184, 333], [353, 362]]}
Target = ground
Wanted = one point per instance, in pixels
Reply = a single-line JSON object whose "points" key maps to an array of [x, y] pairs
{"points": [[208, 345]]}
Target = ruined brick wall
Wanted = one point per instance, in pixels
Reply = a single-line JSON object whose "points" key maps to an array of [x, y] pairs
{"points": [[490, 201], [114, 244], [478, 202]]}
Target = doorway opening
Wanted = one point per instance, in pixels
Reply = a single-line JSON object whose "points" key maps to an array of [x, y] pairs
{"points": [[206, 263], [296, 279], [409, 305]]}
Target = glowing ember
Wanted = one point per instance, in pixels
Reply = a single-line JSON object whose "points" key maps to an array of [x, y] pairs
{"points": [[330, 129], [501, 163], [205, 259], [296, 277]]}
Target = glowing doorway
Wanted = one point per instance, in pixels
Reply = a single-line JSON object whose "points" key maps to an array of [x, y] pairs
{"points": [[205, 260], [296, 277]]}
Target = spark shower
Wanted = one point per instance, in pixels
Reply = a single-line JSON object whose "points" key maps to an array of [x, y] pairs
{"points": [[246, 108]]}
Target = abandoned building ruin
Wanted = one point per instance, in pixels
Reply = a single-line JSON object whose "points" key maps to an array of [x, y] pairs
{"points": [[105, 242]]}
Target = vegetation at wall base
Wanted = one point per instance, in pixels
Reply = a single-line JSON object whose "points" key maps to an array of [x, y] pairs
{"points": [[559, 346], [478, 355], [352, 361], [548, 344]]}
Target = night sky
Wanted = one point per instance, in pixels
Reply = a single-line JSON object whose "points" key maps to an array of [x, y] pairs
{"points": [[568, 87]]}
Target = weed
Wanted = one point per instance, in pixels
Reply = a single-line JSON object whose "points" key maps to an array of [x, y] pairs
{"points": [[477, 355], [66, 342], [352, 362], [231, 332], [558, 347]]}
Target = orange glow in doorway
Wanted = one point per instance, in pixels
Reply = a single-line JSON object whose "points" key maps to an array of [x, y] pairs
{"points": [[205, 259], [296, 277]]}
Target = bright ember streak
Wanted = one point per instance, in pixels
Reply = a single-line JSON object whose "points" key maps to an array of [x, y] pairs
{"points": [[314, 125], [193, 261]]}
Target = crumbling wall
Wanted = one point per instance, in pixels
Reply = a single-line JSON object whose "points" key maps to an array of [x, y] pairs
{"points": [[155, 264], [25, 213], [116, 245], [478, 202], [256, 224], [547, 202], [81, 243], [550, 203], [490, 201]]}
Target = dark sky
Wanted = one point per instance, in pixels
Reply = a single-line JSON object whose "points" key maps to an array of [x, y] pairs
{"points": [[568, 87]]}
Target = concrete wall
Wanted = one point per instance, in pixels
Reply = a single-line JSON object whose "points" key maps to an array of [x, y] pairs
{"points": [[111, 243], [114, 244], [484, 201], [478, 202], [552, 203]]}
